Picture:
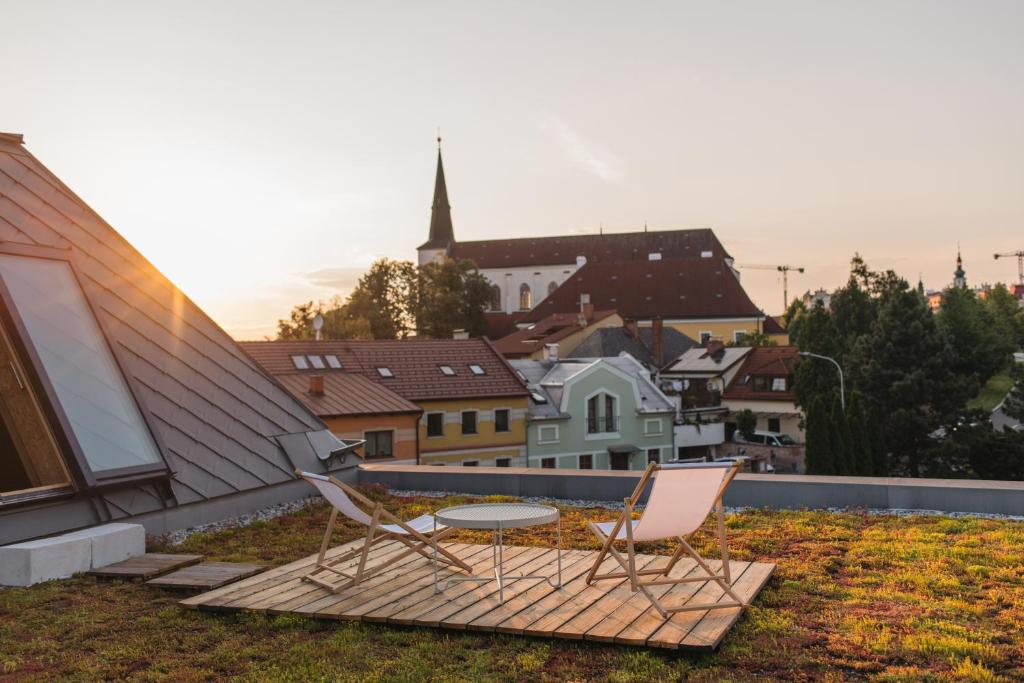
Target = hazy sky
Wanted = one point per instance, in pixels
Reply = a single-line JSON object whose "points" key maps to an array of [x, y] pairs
{"points": [[264, 153]]}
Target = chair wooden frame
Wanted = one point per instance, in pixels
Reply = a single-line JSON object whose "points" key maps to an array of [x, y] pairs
{"points": [[628, 562], [423, 543]]}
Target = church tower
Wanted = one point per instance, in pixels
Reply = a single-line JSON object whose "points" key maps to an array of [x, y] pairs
{"points": [[442, 234], [959, 276]]}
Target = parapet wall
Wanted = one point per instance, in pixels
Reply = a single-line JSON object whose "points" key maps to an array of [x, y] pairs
{"points": [[747, 490]]}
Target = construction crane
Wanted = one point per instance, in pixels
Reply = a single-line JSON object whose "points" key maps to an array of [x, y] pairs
{"points": [[785, 278], [1020, 263]]}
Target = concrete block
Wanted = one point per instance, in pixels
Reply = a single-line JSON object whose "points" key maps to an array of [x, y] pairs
{"points": [[113, 542], [25, 564]]}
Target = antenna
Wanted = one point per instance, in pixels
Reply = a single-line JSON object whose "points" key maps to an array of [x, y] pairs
{"points": [[318, 324]]}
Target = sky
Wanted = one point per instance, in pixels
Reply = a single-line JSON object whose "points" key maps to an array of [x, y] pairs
{"points": [[262, 154]]}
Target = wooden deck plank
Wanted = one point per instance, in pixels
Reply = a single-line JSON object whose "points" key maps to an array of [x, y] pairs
{"points": [[548, 624], [487, 614], [380, 596], [526, 563], [605, 611], [206, 576], [145, 566], [616, 620], [710, 630], [680, 624], [213, 599], [425, 599]]}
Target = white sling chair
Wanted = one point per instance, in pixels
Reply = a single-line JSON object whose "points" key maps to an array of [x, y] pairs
{"points": [[418, 534], [681, 499]]}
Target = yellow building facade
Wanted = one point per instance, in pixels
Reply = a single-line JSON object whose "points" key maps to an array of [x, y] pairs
{"points": [[485, 432]]}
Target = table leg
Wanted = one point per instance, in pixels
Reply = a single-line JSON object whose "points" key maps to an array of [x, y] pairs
{"points": [[437, 589], [501, 566], [559, 522]]}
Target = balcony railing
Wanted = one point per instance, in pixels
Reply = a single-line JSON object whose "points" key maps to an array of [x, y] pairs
{"points": [[606, 423]]}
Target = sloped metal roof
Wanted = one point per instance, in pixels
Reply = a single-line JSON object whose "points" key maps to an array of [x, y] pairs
{"points": [[217, 412]]}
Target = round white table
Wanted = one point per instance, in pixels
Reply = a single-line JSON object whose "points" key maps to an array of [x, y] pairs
{"points": [[497, 517]]}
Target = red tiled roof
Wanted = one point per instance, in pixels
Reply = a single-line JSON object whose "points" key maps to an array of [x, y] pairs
{"points": [[623, 246], [502, 324], [414, 363], [764, 361], [547, 331], [773, 325], [346, 394], [670, 288]]}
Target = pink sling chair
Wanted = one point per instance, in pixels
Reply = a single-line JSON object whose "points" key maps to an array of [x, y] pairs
{"points": [[681, 498], [420, 535]]}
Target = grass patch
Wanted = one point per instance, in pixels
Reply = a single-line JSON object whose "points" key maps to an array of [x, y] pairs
{"points": [[992, 393], [855, 596]]}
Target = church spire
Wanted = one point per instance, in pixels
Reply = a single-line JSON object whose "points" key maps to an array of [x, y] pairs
{"points": [[959, 276], [442, 234]]}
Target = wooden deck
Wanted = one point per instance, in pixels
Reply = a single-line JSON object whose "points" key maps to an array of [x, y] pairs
{"points": [[606, 611]]}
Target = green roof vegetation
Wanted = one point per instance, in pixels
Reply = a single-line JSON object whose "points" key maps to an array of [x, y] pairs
{"points": [[855, 596]]}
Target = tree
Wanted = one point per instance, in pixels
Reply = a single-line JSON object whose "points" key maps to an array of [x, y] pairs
{"points": [[384, 297], [853, 312], [840, 438], [746, 424], [793, 312], [817, 441], [967, 326], [1007, 317], [903, 368], [816, 333], [1013, 404], [861, 461], [754, 339], [450, 296], [338, 322]]}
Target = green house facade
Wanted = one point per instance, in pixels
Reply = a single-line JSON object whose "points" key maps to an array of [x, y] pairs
{"points": [[595, 413]]}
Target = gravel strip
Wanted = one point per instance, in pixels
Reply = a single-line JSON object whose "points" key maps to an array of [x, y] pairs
{"points": [[178, 537]]}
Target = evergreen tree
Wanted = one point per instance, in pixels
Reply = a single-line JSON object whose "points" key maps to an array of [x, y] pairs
{"points": [[1013, 405], [875, 433], [746, 424], [840, 439], [818, 443], [853, 312], [812, 378], [967, 325], [1007, 317], [861, 457], [451, 295], [903, 368]]}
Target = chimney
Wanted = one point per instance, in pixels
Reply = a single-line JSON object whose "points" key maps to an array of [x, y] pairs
{"points": [[587, 310], [316, 385], [552, 352], [460, 334], [656, 342], [715, 350], [632, 329]]}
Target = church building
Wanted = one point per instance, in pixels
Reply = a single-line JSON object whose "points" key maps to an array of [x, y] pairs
{"points": [[696, 283]]}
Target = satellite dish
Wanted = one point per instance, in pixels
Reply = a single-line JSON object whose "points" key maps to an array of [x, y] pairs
{"points": [[318, 322]]}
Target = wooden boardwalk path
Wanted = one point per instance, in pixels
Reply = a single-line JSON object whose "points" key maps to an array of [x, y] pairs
{"points": [[605, 611]]}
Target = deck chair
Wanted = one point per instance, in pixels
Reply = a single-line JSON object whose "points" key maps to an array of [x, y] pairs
{"points": [[420, 535], [681, 498]]}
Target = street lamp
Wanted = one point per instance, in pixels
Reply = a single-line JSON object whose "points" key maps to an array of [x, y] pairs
{"points": [[842, 390]]}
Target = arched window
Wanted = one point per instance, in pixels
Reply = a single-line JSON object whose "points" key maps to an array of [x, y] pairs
{"points": [[552, 286], [495, 298], [525, 300]]}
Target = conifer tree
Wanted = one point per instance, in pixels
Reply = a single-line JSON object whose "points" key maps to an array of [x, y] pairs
{"points": [[818, 443], [861, 457], [840, 437]]}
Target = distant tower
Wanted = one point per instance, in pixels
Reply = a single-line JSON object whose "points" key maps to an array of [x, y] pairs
{"points": [[959, 276], [442, 234]]}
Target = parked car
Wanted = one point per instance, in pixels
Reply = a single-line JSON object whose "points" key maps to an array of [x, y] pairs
{"points": [[765, 439]]}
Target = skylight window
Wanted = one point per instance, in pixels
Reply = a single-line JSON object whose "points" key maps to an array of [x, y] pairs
{"points": [[88, 387], [316, 361], [385, 372], [333, 362], [476, 369], [447, 370], [538, 397], [300, 362], [520, 375]]}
